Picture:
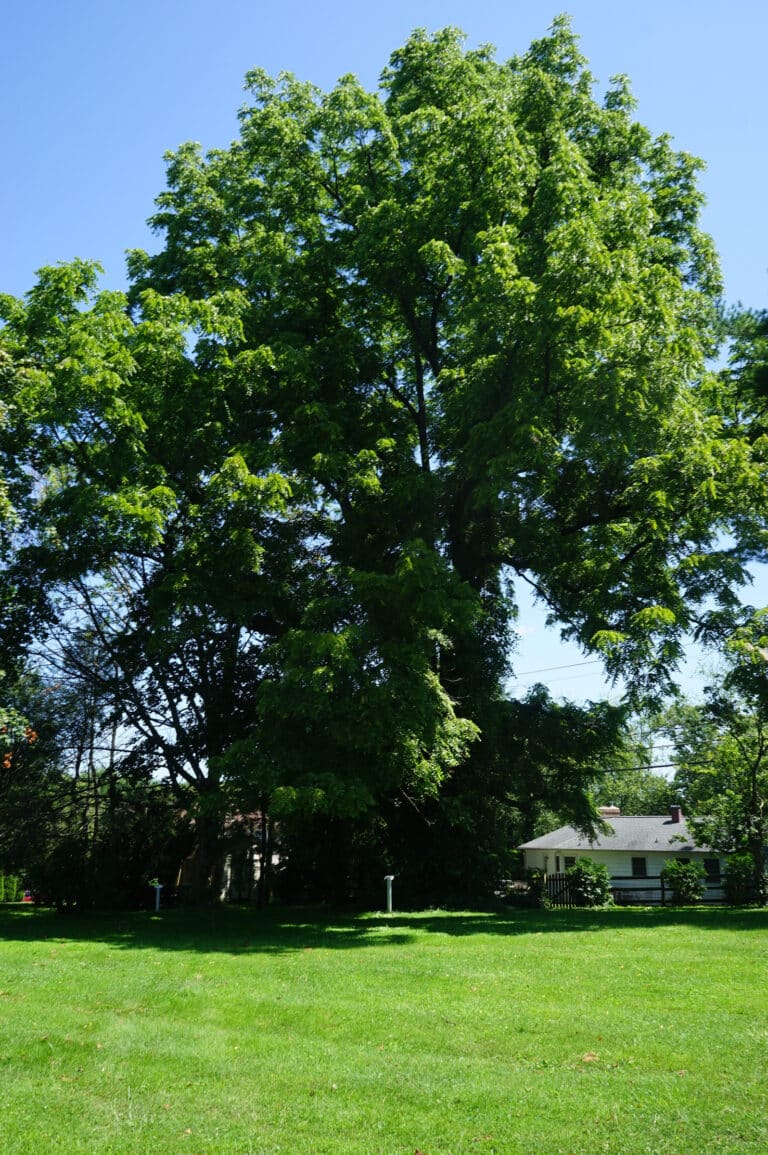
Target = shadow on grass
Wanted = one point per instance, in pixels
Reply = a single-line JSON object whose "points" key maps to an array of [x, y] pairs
{"points": [[237, 930]]}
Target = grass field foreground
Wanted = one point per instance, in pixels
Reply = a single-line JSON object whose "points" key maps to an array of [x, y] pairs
{"points": [[231, 1030]]}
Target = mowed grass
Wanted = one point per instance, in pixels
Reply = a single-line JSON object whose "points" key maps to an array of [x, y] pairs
{"points": [[237, 1031]]}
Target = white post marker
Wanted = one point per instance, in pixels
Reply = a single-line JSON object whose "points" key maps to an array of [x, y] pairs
{"points": [[388, 879], [158, 887]]}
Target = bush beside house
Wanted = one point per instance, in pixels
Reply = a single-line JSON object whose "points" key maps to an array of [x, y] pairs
{"points": [[590, 883], [686, 880], [739, 882]]}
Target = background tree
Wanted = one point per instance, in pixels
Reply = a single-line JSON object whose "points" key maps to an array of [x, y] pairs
{"points": [[630, 780], [6, 511], [82, 820], [747, 370], [635, 791], [722, 750]]}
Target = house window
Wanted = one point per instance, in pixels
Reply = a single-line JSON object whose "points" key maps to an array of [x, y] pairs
{"points": [[557, 864], [639, 868], [712, 867], [569, 862]]}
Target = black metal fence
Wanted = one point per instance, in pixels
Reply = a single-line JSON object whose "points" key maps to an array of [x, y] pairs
{"points": [[631, 891], [559, 890]]}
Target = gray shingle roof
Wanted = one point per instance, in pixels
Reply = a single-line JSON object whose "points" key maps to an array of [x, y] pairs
{"points": [[644, 832]]}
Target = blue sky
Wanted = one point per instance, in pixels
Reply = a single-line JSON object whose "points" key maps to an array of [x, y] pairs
{"points": [[92, 93]]}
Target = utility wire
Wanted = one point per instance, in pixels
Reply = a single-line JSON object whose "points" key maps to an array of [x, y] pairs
{"points": [[649, 766], [549, 669], [567, 678]]}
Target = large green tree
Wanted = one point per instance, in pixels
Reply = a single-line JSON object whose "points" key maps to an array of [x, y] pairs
{"points": [[397, 353]]}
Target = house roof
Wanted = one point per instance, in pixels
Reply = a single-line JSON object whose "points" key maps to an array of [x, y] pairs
{"points": [[645, 832]]}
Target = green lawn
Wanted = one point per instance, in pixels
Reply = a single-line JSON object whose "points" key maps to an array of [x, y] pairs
{"points": [[233, 1031]]}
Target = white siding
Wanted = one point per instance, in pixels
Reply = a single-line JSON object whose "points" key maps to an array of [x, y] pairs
{"points": [[619, 863]]}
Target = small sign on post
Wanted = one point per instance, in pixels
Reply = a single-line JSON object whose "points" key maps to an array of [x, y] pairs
{"points": [[158, 886], [388, 879]]}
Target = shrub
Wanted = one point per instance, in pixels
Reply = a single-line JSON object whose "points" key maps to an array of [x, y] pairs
{"points": [[590, 883], [537, 890], [686, 880], [10, 888], [739, 880], [64, 878]]}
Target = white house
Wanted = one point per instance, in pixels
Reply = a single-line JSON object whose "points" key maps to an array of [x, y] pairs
{"points": [[635, 850]]}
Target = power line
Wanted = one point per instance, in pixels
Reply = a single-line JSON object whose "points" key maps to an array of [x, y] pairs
{"points": [[549, 669], [649, 766], [557, 681]]}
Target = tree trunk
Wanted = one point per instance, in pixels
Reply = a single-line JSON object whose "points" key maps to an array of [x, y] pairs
{"points": [[265, 861], [202, 874]]}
